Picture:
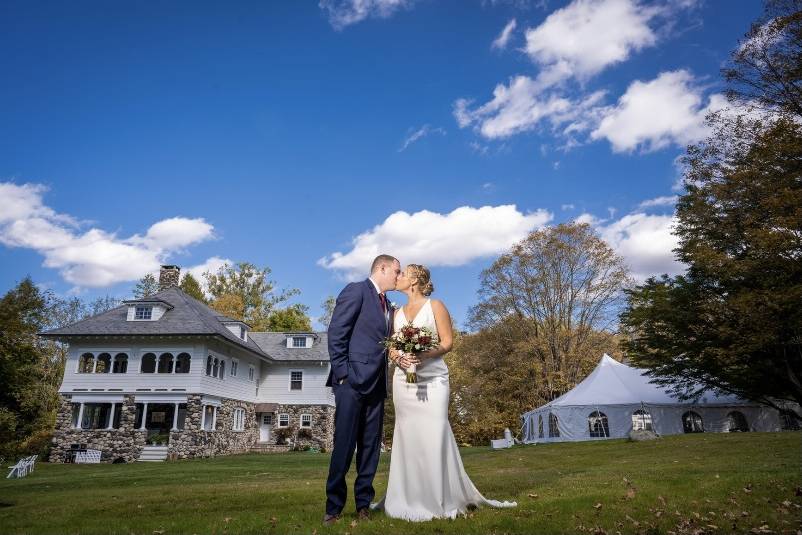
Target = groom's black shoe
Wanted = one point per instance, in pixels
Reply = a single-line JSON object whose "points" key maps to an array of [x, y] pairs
{"points": [[363, 514], [328, 519]]}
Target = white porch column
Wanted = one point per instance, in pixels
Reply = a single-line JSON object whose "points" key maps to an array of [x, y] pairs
{"points": [[80, 416], [111, 417], [144, 416], [175, 418], [214, 419]]}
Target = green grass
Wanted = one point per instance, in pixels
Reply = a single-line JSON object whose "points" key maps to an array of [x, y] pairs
{"points": [[719, 483]]}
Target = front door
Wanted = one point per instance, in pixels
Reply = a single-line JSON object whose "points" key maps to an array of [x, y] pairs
{"points": [[265, 424]]}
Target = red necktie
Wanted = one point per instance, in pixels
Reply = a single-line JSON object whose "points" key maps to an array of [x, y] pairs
{"points": [[384, 302]]}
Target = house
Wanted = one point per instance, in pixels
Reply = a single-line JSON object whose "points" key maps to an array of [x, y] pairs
{"points": [[169, 376]]}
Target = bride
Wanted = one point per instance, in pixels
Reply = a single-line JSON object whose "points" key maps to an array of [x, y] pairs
{"points": [[427, 479]]}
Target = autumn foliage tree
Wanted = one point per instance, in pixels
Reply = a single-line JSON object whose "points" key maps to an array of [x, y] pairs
{"points": [[547, 312]]}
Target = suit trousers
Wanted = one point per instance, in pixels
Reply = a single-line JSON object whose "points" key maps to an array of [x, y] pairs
{"points": [[358, 421]]}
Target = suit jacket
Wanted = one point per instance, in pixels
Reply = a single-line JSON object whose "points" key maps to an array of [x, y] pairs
{"points": [[355, 333]]}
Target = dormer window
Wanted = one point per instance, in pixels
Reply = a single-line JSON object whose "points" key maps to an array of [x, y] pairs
{"points": [[299, 341], [143, 312]]}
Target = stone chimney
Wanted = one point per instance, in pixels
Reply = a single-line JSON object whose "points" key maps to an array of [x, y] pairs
{"points": [[169, 277]]}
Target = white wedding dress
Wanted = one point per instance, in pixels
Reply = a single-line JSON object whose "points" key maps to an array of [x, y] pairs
{"points": [[427, 479]]}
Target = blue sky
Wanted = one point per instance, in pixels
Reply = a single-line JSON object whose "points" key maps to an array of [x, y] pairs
{"points": [[307, 136]]}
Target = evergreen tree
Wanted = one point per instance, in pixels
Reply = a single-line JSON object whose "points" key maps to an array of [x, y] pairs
{"points": [[192, 287]]}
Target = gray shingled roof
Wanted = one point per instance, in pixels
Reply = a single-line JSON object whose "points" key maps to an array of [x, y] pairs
{"points": [[275, 345], [188, 316]]}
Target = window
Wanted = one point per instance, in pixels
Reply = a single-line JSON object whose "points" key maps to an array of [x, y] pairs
{"points": [[539, 426], [209, 417], [95, 416], [641, 420], [267, 419], [222, 369], [692, 423], [242, 332], [597, 425], [216, 368], [209, 365], [250, 373], [86, 364], [148, 363], [736, 422], [166, 363], [296, 380], [283, 420], [554, 431], [103, 364], [143, 312], [239, 420], [182, 363], [788, 420], [120, 363], [299, 341], [306, 420], [234, 367]]}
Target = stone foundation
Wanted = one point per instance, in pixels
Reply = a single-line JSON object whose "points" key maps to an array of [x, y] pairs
{"points": [[126, 443]]}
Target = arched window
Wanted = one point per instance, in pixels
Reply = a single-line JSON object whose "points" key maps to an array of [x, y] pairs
{"points": [[597, 425], [120, 363], [182, 363], [86, 363], [166, 363], [148, 363], [692, 422], [641, 420], [736, 422], [222, 369], [554, 431], [788, 420], [103, 364], [539, 426], [209, 365], [216, 368]]}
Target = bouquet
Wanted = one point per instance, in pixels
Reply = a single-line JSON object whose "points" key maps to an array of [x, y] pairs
{"points": [[411, 339]]}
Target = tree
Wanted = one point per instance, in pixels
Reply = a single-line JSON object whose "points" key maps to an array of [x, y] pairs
{"points": [[102, 304], [732, 322], [192, 287], [147, 286], [255, 295], [328, 311], [27, 398], [544, 318], [291, 318]]}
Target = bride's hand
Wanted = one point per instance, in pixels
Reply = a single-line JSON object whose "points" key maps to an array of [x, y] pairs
{"points": [[405, 360]]}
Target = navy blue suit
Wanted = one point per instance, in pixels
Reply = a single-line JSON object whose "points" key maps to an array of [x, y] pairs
{"points": [[358, 325]]}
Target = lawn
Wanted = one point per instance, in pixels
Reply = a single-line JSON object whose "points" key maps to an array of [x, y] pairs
{"points": [[713, 483]]}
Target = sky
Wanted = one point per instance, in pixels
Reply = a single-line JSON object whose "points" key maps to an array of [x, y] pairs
{"points": [[310, 136]]}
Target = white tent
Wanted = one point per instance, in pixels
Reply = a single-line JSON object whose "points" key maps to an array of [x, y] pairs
{"points": [[615, 398]]}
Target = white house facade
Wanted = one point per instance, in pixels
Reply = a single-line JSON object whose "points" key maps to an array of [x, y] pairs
{"points": [[169, 374]]}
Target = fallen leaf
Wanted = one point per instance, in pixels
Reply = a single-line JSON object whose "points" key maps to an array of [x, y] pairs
{"points": [[597, 506], [354, 523], [630, 493], [533, 495]]}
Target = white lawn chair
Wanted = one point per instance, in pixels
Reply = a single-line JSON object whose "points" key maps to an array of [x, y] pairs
{"points": [[87, 457], [22, 468]]}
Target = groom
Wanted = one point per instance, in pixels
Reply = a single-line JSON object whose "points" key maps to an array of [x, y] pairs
{"points": [[358, 376]]}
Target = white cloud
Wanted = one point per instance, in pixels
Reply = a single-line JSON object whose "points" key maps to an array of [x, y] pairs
{"points": [[343, 13], [435, 239], [91, 258], [503, 38], [520, 106], [420, 133], [567, 207], [583, 38], [655, 114], [646, 243], [667, 200]]}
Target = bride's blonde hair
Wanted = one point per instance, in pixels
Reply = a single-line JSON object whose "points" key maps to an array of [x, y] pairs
{"points": [[423, 277]]}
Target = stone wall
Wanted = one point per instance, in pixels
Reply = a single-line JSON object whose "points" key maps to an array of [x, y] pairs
{"points": [[322, 430], [124, 443]]}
